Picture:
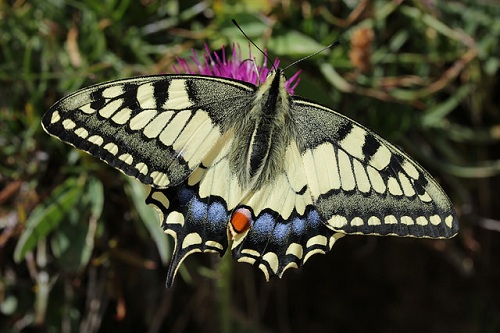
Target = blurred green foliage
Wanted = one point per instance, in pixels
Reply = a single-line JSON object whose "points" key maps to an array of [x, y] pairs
{"points": [[80, 251]]}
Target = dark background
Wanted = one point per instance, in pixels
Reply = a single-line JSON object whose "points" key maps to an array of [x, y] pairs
{"points": [[79, 250]]}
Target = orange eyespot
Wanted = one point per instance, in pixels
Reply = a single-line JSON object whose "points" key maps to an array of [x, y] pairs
{"points": [[240, 221]]}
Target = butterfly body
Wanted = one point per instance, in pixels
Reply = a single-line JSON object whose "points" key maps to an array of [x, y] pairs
{"points": [[281, 176], [263, 127]]}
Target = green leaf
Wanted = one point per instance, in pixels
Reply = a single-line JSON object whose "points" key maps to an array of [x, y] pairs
{"points": [[68, 242], [95, 197], [294, 43], [47, 216], [149, 217], [333, 77], [73, 241], [436, 114]]}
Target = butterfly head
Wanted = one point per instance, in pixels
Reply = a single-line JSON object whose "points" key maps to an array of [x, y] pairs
{"points": [[275, 81]]}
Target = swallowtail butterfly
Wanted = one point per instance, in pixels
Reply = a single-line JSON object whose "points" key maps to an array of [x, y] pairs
{"points": [[279, 177]]}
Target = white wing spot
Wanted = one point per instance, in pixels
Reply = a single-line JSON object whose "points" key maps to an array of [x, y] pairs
{"points": [[175, 218], [214, 244], [407, 220], [357, 222], [191, 239], [421, 220], [289, 265], [334, 238], [145, 96], [109, 109], [425, 197], [158, 124], [248, 260], [410, 170], [407, 186], [394, 187], [161, 206], [122, 116], [264, 269], [142, 168], [55, 117], [361, 177], [82, 132], [390, 219], [337, 221], [160, 178], [435, 219], [373, 220], [142, 119], [449, 221], [273, 261], [178, 98], [346, 175], [295, 249], [113, 91], [317, 240], [87, 109], [381, 158], [376, 180], [313, 252], [353, 142], [250, 252], [173, 129], [126, 158], [111, 147], [96, 139], [68, 124]]}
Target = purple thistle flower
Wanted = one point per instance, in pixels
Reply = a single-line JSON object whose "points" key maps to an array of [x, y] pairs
{"points": [[234, 68]]}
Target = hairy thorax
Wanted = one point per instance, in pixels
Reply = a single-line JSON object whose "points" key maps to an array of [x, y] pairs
{"points": [[260, 139]]}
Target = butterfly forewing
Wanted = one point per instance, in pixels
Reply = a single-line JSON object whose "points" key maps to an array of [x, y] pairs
{"points": [[363, 184], [155, 128]]}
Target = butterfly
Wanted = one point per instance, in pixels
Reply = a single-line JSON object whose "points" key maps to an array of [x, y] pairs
{"points": [[276, 177]]}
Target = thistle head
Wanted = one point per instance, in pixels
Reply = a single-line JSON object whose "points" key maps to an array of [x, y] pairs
{"points": [[233, 67]]}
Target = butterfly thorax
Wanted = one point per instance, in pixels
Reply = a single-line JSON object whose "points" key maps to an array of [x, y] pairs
{"points": [[262, 136]]}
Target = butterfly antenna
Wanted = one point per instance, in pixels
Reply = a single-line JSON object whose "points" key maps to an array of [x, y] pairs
{"points": [[329, 47], [251, 41]]}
